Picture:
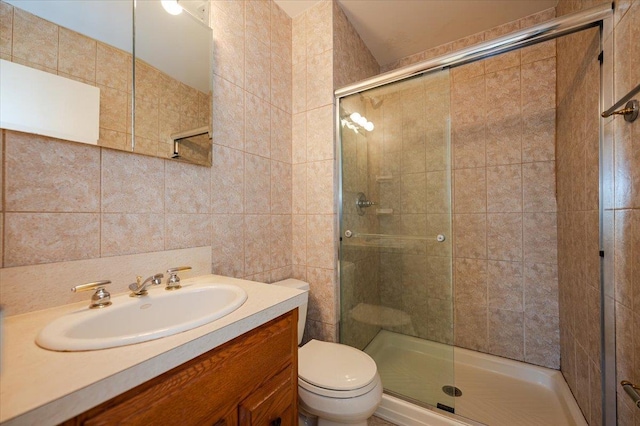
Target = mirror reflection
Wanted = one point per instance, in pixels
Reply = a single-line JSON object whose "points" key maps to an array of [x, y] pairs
{"points": [[92, 42]]}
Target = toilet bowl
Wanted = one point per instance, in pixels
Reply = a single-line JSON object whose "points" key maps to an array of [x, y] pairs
{"points": [[337, 384]]}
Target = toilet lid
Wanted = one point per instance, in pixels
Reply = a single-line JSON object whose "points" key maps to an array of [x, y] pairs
{"points": [[335, 366]]}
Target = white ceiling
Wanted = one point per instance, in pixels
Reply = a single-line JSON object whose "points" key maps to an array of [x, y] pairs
{"points": [[393, 29]]}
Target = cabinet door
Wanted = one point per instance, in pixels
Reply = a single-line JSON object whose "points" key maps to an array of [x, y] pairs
{"points": [[272, 404]]}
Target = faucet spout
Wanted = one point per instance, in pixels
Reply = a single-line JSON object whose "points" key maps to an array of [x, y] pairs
{"points": [[139, 288]]}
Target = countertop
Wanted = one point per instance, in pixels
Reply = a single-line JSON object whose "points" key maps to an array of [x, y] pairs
{"points": [[43, 387]]}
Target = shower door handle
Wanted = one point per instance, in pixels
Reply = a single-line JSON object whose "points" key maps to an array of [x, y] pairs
{"points": [[440, 238]]}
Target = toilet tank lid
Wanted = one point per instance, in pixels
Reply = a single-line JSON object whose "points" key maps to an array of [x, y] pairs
{"points": [[293, 283]]}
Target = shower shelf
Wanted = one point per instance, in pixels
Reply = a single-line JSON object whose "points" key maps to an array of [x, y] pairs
{"points": [[384, 178]]}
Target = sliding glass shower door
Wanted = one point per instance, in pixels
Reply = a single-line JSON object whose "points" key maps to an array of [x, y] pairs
{"points": [[396, 254]]}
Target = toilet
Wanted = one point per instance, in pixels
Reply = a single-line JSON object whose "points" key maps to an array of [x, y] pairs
{"points": [[337, 384]]}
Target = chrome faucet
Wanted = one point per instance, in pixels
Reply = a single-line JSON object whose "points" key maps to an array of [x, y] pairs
{"points": [[139, 288]]}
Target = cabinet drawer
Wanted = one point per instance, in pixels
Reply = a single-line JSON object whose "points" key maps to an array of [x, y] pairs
{"points": [[271, 405]]}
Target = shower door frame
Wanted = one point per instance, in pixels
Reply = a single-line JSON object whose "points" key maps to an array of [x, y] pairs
{"points": [[599, 16]]}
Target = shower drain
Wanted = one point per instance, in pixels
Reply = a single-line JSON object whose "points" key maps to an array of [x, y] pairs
{"points": [[451, 390]]}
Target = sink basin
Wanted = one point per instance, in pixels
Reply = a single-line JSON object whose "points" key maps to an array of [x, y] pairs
{"points": [[133, 320]]}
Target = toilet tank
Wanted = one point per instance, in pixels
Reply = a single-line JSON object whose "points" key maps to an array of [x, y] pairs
{"points": [[302, 314]]}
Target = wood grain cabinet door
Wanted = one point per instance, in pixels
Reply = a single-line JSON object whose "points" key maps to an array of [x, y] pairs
{"points": [[271, 404]]}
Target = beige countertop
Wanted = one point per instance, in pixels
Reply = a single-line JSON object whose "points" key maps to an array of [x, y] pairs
{"points": [[43, 387]]}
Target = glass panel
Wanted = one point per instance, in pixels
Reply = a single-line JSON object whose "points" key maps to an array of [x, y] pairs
{"points": [[395, 271]]}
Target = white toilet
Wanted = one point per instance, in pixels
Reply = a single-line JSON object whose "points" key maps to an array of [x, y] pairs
{"points": [[337, 384]]}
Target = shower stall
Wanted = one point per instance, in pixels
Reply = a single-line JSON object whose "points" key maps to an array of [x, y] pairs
{"points": [[448, 231]]}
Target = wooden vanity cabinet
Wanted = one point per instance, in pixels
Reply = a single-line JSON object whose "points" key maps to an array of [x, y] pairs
{"points": [[251, 380]]}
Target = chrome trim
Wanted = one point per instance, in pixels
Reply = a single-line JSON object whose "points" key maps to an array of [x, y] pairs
{"points": [[549, 30]]}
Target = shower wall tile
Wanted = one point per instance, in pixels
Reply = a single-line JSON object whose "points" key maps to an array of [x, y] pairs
{"points": [[281, 81], [299, 138], [470, 235], [320, 241], [320, 197], [471, 190], [506, 333], [540, 237], [471, 327], [505, 285], [77, 55], [504, 236], [320, 133], [319, 80], [258, 19], [504, 188], [281, 135], [539, 135], [504, 140], [539, 186], [471, 281]]}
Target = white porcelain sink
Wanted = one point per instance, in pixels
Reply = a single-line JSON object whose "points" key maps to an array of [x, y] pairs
{"points": [[133, 320]]}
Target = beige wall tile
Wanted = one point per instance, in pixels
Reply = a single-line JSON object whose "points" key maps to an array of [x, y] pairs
{"points": [[539, 186], [471, 327], [470, 237], [506, 333], [471, 281], [538, 85], [131, 183], [413, 193], [147, 119], [77, 55], [281, 191], [322, 295], [112, 139], [228, 52], [113, 68], [319, 191], [539, 136], [32, 238], [299, 138], [505, 285], [299, 237], [227, 180], [468, 101], [129, 233], [320, 79], [539, 51], [320, 248], [504, 236], [257, 243], [539, 237], [469, 147], [503, 93], [319, 28], [299, 38], [438, 193], [504, 140], [114, 109], [35, 39], [281, 132], [257, 80], [257, 130], [542, 340], [299, 188], [281, 80], [258, 20], [320, 134], [6, 28], [228, 113], [187, 230], [228, 250], [187, 188], [48, 175], [470, 190], [281, 32], [504, 188], [257, 185], [281, 241], [299, 86]]}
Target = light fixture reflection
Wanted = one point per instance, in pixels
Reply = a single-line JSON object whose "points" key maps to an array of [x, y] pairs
{"points": [[172, 7]]}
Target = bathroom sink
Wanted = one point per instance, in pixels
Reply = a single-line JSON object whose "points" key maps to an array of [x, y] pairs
{"points": [[133, 320]]}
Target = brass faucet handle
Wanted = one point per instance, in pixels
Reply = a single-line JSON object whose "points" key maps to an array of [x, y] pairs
{"points": [[89, 286], [101, 298], [178, 269]]}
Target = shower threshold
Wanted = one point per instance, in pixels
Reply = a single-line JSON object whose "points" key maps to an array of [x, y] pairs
{"points": [[495, 391]]}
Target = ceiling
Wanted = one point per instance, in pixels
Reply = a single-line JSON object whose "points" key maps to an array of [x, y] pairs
{"points": [[393, 29]]}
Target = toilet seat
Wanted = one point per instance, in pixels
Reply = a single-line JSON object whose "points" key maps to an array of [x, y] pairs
{"points": [[335, 370]]}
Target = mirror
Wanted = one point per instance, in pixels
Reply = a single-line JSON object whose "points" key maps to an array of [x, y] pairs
{"points": [[91, 41]]}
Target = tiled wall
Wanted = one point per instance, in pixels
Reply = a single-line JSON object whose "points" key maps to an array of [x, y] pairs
{"points": [[504, 221], [322, 37], [163, 104], [578, 188], [66, 201]]}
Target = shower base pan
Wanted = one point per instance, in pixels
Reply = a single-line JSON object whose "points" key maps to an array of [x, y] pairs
{"points": [[495, 391]]}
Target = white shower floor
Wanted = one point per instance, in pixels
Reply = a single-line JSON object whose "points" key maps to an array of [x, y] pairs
{"points": [[495, 391]]}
